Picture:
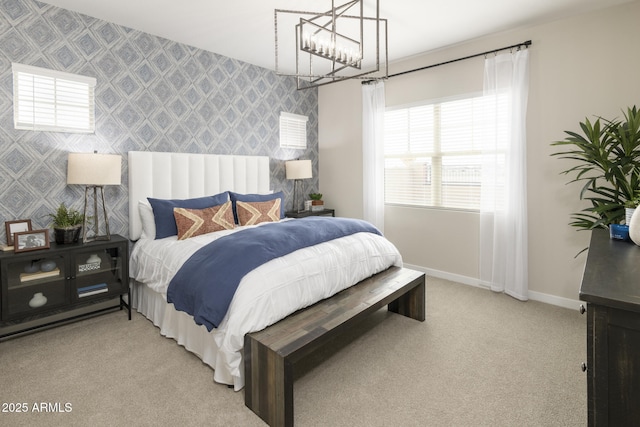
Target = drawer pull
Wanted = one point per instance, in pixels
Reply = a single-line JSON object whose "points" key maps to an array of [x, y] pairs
{"points": [[582, 310], [583, 366]]}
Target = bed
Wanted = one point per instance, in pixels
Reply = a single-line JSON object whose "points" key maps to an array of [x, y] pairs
{"points": [[267, 293]]}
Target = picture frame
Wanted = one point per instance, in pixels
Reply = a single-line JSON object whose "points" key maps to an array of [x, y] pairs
{"points": [[32, 240], [16, 226]]}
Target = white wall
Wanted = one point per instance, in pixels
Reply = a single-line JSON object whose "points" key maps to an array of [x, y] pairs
{"points": [[584, 66]]}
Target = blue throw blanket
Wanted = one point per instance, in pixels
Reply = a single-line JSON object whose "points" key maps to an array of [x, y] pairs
{"points": [[207, 281]]}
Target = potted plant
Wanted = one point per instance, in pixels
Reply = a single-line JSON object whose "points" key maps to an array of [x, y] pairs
{"points": [[316, 201], [67, 224], [607, 160]]}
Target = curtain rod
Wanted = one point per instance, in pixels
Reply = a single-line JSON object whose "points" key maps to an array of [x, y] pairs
{"points": [[519, 45]]}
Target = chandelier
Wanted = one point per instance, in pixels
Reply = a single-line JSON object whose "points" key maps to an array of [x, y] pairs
{"points": [[331, 46]]}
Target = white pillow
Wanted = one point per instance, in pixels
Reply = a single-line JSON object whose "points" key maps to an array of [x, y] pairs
{"points": [[147, 219]]}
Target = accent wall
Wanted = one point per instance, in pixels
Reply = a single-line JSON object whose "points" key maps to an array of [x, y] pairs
{"points": [[152, 94]]}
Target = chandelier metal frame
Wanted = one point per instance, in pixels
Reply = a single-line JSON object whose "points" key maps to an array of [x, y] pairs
{"points": [[319, 45]]}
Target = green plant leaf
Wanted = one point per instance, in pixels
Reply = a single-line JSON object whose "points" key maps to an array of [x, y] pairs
{"points": [[607, 157], [65, 217]]}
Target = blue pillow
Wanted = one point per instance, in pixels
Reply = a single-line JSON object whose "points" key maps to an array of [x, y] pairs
{"points": [[236, 197], [163, 211]]}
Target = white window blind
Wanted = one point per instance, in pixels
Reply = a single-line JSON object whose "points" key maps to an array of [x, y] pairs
{"points": [[433, 153], [49, 100], [293, 130]]}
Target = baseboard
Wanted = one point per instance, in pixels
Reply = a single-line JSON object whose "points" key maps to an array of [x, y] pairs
{"points": [[472, 281], [572, 304]]}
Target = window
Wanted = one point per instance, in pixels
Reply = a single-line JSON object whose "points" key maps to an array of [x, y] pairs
{"points": [[433, 153], [293, 131], [48, 100]]}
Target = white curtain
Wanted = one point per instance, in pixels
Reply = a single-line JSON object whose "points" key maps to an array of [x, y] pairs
{"points": [[373, 106], [503, 213]]}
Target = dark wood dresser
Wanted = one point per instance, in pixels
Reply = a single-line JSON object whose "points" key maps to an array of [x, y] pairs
{"points": [[611, 288]]}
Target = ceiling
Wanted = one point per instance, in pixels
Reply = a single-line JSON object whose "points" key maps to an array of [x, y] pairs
{"points": [[244, 29]]}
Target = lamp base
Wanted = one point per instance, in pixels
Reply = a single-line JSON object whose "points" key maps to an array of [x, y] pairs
{"points": [[296, 202], [94, 238], [96, 219]]}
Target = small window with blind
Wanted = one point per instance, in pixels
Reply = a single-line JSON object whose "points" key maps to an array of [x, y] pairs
{"points": [[293, 131], [433, 153], [55, 101]]}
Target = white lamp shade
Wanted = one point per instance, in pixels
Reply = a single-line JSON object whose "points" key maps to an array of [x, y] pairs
{"points": [[94, 169], [298, 169]]}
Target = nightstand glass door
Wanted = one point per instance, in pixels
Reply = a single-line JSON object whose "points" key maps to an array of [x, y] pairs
{"points": [[34, 285], [98, 272]]}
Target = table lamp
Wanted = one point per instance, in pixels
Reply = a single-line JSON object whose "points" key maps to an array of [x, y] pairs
{"points": [[297, 170], [94, 171]]}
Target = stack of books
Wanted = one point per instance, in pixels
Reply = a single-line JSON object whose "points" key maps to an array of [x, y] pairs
{"points": [[86, 291]]}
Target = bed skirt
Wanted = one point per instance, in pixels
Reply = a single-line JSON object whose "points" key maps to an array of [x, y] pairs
{"points": [[181, 327]]}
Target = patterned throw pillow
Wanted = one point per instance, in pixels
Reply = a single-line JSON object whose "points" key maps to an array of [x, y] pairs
{"points": [[239, 197], [194, 222], [252, 213], [163, 211]]}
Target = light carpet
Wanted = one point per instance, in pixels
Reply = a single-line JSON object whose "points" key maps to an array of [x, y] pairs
{"points": [[480, 359]]}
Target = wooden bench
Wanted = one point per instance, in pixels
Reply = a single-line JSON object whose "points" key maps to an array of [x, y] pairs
{"points": [[270, 354]]}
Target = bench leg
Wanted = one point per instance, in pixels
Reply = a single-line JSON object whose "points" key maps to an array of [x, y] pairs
{"points": [[268, 384], [411, 304]]}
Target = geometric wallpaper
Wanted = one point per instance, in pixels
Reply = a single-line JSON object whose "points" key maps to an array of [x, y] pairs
{"points": [[152, 94]]}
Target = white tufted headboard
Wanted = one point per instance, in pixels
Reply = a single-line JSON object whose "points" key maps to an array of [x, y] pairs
{"points": [[185, 175]]}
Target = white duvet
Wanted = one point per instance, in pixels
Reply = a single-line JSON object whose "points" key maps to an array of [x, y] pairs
{"points": [[270, 292]]}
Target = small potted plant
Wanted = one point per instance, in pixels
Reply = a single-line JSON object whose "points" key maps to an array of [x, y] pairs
{"points": [[67, 224], [316, 201]]}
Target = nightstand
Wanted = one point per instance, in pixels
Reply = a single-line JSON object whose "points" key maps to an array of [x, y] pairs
{"points": [[48, 283], [304, 214]]}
